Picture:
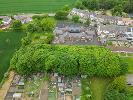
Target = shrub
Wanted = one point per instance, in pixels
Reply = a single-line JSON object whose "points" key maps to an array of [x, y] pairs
{"points": [[78, 4], [117, 89], [75, 18], [61, 15], [16, 25], [41, 26]]}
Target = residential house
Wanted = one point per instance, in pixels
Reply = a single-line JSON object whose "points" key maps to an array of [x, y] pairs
{"points": [[100, 18], [127, 21], [108, 19], [6, 20], [115, 33], [83, 14], [23, 18]]}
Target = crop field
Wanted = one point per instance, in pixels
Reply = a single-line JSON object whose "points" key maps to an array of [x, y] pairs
{"points": [[9, 42], [32, 6]]}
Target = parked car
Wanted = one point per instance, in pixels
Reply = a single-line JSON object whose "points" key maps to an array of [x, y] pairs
{"points": [[128, 36]]}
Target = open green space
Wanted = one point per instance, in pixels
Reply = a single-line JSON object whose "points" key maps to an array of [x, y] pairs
{"points": [[32, 6], [42, 37], [9, 42], [130, 98], [129, 61], [98, 87]]}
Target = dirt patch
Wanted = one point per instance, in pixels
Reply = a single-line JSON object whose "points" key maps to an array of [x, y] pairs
{"points": [[68, 97]]}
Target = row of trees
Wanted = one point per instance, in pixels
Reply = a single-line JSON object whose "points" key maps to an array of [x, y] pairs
{"points": [[120, 5], [67, 60]]}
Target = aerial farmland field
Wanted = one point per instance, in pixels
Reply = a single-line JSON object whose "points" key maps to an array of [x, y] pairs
{"points": [[32, 6], [9, 42]]}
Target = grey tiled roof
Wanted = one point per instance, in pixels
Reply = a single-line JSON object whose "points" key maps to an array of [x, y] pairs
{"points": [[74, 34], [113, 28]]}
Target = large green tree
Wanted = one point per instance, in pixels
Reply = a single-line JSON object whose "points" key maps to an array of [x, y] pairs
{"points": [[41, 25], [48, 24], [16, 25]]}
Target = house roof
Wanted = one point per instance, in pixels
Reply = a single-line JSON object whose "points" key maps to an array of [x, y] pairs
{"points": [[23, 18], [113, 28], [85, 12]]}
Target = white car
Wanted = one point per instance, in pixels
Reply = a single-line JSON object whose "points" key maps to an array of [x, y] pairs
{"points": [[128, 36]]}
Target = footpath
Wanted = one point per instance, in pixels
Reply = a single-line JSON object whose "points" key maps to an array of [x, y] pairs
{"points": [[6, 85]]}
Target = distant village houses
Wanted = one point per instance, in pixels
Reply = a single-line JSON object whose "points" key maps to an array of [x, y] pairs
{"points": [[123, 34], [99, 17]]}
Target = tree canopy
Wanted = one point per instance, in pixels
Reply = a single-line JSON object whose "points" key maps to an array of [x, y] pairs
{"points": [[126, 5], [16, 25], [67, 60], [41, 25]]}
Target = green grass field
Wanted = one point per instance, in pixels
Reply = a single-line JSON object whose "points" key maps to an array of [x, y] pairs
{"points": [[32, 6], [9, 42], [129, 60], [98, 87]]}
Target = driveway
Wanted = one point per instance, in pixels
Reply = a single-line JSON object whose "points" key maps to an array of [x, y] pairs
{"points": [[44, 92], [130, 79]]}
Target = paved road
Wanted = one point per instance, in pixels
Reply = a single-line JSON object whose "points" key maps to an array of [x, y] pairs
{"points": [[130, 79], [44, 92]]}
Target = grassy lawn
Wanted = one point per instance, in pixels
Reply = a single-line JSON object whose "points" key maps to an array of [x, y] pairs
{"points": [[130, 64], [32, 6], [41, 37], [98, 87], [9, 42]]}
